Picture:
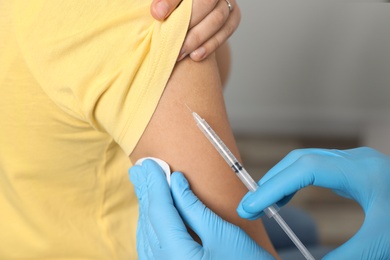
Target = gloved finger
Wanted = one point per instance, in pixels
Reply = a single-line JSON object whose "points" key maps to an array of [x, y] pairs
{"points": [[244, 214], [144, 233], [251, 216], [144, 246], [138, 179], [309, 169], [161, 208], [142, 177], [156, 178], [195, 214], [151, 241], [289, 159]]}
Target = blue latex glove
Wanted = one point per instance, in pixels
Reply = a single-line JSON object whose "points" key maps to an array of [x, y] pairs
{"points": [[362, 174], [161, 233]]}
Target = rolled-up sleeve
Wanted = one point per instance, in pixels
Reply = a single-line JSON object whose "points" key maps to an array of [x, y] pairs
{"points": [[103, 62]]}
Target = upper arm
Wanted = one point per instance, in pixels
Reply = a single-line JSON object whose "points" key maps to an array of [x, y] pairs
{"points": [[173, 136]]}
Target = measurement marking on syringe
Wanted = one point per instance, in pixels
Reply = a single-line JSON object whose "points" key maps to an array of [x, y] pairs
{"points": [[237, 167]]}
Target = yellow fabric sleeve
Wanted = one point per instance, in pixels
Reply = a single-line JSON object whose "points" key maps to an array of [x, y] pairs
{"points": [[105, 62], [78, 77]]}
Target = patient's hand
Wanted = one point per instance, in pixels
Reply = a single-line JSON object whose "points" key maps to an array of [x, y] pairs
{"points": [[212, 23]]}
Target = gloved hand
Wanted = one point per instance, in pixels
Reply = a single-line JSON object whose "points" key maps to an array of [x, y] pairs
{"points": [[362, 174], [161, 233]]}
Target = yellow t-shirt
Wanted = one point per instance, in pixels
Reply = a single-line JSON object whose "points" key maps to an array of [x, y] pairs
{"points": [[79, 82]]}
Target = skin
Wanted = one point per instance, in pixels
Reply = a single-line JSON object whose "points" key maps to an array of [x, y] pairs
{"points": [[182, 144], [173, 136], [211, 24], [223, 57]]}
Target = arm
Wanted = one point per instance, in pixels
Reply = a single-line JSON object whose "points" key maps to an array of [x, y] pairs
{"points": [[173, 136]]}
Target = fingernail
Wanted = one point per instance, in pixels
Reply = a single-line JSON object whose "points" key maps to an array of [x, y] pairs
{"points": [[162, 9], [182, 55], [199, 53]]}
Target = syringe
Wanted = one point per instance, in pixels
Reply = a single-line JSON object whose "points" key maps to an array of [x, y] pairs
{"points": [[244, 176]]}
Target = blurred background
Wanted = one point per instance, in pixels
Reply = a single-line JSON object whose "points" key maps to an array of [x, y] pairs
{"points": [[311, 74]]}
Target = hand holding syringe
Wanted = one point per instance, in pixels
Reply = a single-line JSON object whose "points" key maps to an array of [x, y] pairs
{"points": [[244, 176]]}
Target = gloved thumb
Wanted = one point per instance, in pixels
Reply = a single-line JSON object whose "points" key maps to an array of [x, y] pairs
{"points": [[194, 213]]}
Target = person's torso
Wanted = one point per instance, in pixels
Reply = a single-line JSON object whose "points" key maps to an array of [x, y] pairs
{"points": [[64, 190]]}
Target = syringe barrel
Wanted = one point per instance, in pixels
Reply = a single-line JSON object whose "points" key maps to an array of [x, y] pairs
{"points": [[226, 153], [215, 140], [244, 176], [271, 210]]}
